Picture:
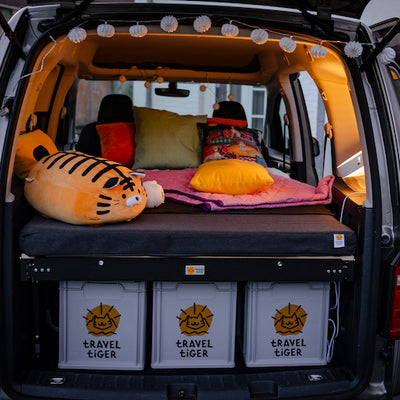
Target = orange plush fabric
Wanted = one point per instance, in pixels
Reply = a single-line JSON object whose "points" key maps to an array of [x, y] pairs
{"points": [[31, 147], [118, 142], [85, 190]]}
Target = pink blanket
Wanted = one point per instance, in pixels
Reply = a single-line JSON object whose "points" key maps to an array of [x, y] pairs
{"points": [[283, 192]]}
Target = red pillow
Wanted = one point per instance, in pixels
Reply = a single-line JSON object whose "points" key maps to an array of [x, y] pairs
{"points": [[118, 142], [227, 121]]}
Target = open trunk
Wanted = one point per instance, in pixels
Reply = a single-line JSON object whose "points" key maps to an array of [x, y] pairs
{"points": [[271, 293]]}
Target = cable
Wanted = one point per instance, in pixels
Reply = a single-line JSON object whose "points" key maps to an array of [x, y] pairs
{"points": [[344, 202], [335, 333]]}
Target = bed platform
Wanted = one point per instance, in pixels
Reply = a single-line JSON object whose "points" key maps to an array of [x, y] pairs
{"points": [[297, 243]]}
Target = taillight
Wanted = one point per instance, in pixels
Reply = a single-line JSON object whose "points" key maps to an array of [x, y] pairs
{"points": [[394, 327]]}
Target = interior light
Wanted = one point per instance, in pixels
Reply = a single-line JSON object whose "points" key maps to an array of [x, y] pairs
{"points": [[353, 173]]}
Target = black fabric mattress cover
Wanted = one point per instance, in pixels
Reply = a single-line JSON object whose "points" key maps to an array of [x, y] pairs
{"points": [[186, 231]]}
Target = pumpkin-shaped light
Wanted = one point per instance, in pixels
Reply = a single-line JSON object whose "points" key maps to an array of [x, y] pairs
{"points": [[231, 96], [202, 24], [317, 51], [169, 24], [147, 84], [388, 55], [353, 49], [229, 30], [160, 79], [287, 44], [259, 36], [77, 35], [203, 88], [138, 30], [216, 106], [105, 30]]}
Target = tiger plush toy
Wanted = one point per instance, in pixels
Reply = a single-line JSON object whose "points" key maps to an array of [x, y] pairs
{"points": [[81, 189]]}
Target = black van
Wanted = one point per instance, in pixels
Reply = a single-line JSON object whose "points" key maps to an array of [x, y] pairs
{"points": [[199, 200]]}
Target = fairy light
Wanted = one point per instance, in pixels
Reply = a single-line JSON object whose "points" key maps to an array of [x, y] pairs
{"points": [[258, 35], [138, 30], [106, 30], [77, 35], [202, 24], [229, 30], [169, 23], [317, 51]]}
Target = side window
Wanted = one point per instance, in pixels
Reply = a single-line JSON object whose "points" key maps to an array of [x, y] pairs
{"points": [[317, 119], [279, 143], [259, 100]]}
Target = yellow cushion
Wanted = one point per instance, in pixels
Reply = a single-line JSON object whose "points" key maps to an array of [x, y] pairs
{"points": [[231, 176], [31, 147], [166, 140]]}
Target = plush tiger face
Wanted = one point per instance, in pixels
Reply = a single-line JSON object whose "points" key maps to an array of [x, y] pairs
{"points": [[81, 189]]}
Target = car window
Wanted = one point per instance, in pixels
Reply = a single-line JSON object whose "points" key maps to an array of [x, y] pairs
{"points": [[200, 101], [317, 118]]}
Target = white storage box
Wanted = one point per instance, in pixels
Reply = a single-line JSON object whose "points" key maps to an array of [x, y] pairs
{"points": [[193, 325], [102, 325], [286, 324]]}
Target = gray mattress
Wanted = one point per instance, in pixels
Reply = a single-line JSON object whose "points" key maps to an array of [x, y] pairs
{"points": [[184, 231]]}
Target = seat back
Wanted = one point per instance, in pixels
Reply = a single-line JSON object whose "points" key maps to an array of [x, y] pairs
{"points": [[113, 108], [230, 110]]}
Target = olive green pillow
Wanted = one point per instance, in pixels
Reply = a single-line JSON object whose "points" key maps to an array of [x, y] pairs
{"points": [[167, 140]]}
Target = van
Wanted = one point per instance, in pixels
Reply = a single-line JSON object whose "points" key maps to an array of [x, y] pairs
{"points": [[199, 200]]}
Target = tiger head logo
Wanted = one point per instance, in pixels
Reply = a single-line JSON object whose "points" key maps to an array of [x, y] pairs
{"points": [[102, 320], [195, 320], [290, 320]]}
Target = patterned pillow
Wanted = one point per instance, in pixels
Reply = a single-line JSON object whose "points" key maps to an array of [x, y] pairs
{"points": [[222, 142]]}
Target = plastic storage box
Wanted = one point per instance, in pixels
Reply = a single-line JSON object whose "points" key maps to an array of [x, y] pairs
{"points": [[193, 325], [102, 325], [286, 324]]}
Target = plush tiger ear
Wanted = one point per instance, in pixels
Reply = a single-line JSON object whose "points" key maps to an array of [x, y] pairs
{"points": [[111, 183], [137, 173], [29, 179]]}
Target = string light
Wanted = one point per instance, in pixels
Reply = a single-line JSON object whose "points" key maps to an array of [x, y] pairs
{"points": [[230, 30], [387, 56], [77, 35], [203, 88], [105, 30], [138, 30], [259, 36], [169, 24], [353, 49], [317, 51], [287, 44], [202, 24]]}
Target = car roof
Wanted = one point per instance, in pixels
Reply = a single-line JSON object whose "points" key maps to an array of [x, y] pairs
{"points": [[352, 9]]}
